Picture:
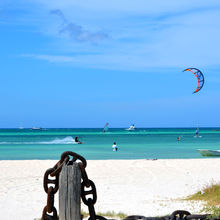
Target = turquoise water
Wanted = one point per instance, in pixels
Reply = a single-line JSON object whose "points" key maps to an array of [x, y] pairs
{"points": [[145, 143]]}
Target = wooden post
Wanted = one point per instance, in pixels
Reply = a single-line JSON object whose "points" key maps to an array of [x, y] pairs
{"points": [[70, 192]]}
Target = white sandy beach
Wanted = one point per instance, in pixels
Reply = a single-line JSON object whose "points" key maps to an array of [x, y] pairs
{"points": [[142, 187]]}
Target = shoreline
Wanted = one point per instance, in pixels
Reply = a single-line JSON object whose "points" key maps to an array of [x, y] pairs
{"points": [[135, 187], [150, 158]]}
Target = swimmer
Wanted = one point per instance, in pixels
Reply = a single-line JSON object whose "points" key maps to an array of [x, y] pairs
{"points": [[114, 147]]}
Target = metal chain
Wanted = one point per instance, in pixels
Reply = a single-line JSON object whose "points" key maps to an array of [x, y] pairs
{"points": [[176, 215], [49, 211]]}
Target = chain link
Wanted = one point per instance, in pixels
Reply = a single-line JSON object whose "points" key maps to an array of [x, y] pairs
{"points": [[46, 216], [48, 181], [50, 199], [89, 192]]}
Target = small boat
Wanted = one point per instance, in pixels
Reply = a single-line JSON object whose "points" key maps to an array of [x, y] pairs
{"points": [[131, 128], [21, 127], [209, 153], [36, 128]]}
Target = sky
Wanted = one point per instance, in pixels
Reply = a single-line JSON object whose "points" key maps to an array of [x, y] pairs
{"points": [[76, 63]]}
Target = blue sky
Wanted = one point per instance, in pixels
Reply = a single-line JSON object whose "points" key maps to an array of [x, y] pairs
{"points": [[84, 63]]}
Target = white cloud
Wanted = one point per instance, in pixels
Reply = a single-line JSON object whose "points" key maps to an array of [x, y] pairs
{"points": [[50, 58], [143, 33], [77, 32]]}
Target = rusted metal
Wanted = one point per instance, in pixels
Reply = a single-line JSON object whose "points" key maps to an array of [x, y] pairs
{"points": [[89, 192], [48, 181], [46, 216], [50, 199], [84, 176], [199, 217], [179, 215], [91, 208], [140, 217], [58, 167], [75, 157]]}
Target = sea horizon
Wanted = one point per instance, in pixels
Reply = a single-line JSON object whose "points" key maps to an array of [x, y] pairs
{"points": [[122, 127]]}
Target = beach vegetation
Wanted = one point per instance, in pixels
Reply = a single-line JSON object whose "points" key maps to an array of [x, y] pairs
{"points": [[211, 196], [213, 210], [108, 214]]}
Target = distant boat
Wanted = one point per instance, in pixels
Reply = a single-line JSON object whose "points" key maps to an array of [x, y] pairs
{"points": [[21, 127], [36, 128], [131, 128], [209, 153]]}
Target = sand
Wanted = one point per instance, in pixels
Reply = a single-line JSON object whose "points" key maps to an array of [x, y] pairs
{"points": [[143, 187]]}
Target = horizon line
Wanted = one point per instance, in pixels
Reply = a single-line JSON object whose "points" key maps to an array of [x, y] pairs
{"points": [[21, 128]]}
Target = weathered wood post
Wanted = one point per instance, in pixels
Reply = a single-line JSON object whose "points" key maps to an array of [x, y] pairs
{"points": [[70, 192]]}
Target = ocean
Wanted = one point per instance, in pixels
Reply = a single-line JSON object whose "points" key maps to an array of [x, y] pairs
{"points": [[144, 143]]}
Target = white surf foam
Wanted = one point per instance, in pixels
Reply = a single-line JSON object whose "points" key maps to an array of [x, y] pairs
{"points": [[66, 140]]}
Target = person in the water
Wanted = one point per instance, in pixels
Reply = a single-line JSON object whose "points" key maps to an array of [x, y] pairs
{"points": [[114, 147], [77, 140]]}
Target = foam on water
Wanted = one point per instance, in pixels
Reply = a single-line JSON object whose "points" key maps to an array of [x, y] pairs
{"points": [[66, 140]]}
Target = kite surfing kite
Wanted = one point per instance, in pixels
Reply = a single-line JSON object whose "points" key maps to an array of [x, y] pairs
{"points": [[199, 77]]}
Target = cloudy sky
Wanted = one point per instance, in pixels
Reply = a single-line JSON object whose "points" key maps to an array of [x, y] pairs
{"points": [[84, 63]]}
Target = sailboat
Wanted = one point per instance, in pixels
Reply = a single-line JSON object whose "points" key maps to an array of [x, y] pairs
{"points": [[105, 127]]}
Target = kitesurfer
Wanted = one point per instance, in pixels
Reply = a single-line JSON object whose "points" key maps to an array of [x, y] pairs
{"points": [[77, 140]]}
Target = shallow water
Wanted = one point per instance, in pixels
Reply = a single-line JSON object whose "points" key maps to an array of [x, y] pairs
{"points": [[144, 143]]}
